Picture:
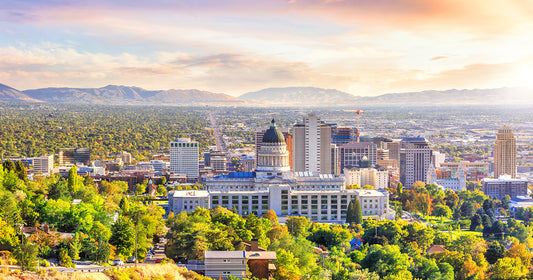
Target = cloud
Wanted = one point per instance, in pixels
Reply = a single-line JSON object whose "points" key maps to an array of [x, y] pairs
{"points": [[481, 75], [438, 57]]}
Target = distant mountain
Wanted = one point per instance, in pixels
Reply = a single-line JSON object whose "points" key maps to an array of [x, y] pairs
{"points": [[496, 96], [9, 94], [300, 96], [125, 95], [290, 97]]}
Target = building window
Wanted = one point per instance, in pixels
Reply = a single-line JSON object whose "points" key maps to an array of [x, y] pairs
{"points": [[226, 260]]}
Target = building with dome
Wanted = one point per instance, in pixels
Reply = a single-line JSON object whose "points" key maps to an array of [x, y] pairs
{"points": [[320, 197]]}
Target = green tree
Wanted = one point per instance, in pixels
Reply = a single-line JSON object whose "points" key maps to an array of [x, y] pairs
{"points": [[298, 225], [73, 179], [29, 261], [442, 211], [350, 213], [399, 189], [123, 236], [508, 269], [422, 235], [358, 214], [494, 252], [385, 260], [475, 222], [20, 169]]}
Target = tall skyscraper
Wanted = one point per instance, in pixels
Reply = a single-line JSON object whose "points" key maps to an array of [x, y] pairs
{"points": [[184, 158], [312, 145], [505, 153], [415, 160]]}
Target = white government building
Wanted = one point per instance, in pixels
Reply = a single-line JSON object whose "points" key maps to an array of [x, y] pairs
{"points": [[320, 197]]}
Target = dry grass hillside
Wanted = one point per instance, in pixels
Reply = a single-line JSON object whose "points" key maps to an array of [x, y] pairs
{"points": [[161, 272]]}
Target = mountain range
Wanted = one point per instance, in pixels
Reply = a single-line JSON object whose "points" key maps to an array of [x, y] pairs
{"points": [[289, 97]]}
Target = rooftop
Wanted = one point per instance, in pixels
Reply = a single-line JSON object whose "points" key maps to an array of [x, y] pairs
{"points": [[224, 254], [261, 255], [190, 193]]}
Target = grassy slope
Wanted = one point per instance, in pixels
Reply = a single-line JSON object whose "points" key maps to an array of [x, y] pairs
{"points": [[163, 272]]}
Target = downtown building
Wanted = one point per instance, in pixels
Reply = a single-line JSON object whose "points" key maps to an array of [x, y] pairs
{"points": [[415, 160], [505, 185], [184, 158], [505, 153], [319, 197], [312, 146]]}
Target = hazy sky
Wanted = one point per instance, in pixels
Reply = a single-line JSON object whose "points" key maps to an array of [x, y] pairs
{"points": [[364, 47]]}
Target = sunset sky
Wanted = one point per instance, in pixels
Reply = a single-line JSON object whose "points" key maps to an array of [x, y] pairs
{"points": [[363, 47]]}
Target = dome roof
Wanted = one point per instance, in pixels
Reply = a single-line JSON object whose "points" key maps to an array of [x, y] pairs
{"points": [[273, 135]]}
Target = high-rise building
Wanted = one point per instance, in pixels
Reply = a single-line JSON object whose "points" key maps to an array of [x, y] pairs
{"points": [[184, 158], [352, 154], [415, 160], [343, 135], [505, 153], [72, 156], [335, 159], [217, 161], [43, 164], [394, 149], [312, 145]]}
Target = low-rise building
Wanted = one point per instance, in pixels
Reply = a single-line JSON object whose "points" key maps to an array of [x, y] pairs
{"points": [[378, 178], [188, 200], [221, 264], [504, 185]]}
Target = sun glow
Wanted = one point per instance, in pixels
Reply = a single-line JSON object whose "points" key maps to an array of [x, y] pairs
{"points": [[524, 76]]}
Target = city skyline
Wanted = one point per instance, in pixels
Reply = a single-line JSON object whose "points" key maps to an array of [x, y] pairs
{"points": [[365, 48]]}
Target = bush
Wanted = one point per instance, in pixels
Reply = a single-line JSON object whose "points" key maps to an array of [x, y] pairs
{"points": [[464, 223], [44, 263]]}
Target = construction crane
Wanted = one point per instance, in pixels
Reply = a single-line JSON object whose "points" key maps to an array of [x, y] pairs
{"points": [[358, 120]]}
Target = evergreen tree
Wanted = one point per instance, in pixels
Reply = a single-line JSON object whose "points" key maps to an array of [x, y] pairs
{"points": [[20, 169], [350, 214], [9, 165], [494, 252], [72, 179], [475, 221], [358, 213]]}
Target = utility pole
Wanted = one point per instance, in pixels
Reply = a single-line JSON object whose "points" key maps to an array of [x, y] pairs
{"points": [[136, 237], [21, 227]]}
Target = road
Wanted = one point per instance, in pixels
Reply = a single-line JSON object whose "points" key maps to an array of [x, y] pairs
{"points": [[221, 146]]}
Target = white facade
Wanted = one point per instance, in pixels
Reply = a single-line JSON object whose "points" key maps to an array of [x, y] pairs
{"points": [[184, 158], [225, 263], [415, 160], [158, 165], [438, 158], [455, 184], [43, 164], [312, 145], [188, 200], [367, 176]]}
